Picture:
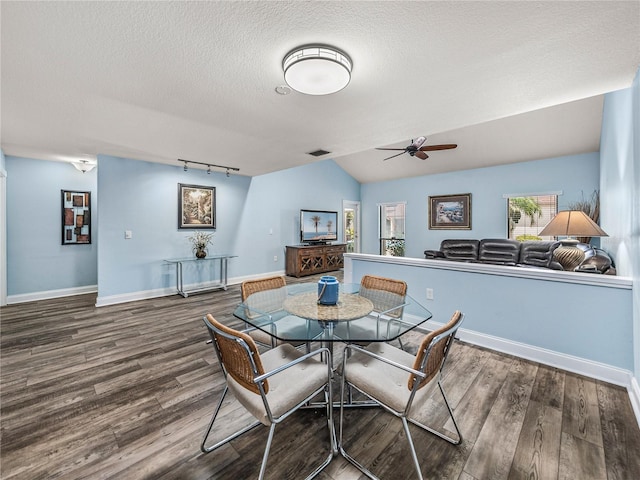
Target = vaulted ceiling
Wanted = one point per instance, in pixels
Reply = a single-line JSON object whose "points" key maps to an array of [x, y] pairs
{"points": [[157, 81]]}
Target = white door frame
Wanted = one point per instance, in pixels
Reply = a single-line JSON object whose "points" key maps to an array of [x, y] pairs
{"points": [[3, 237], [355, 206]]}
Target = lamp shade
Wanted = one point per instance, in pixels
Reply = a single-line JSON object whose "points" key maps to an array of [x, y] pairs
{"points": [[317, 69], [572, 223]]}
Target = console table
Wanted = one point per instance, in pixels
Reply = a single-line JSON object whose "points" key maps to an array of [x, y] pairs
{"points": [[209, 261], [304, 260]]}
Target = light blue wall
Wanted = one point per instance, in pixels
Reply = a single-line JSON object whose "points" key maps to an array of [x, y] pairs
{"points": [[620, 187], [143, 197], [584, 321], [576, 176], [256, 218], [273, 205], [36, 259]]}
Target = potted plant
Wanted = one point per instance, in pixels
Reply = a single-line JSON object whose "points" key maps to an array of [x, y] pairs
{"points": [[200, 240]]}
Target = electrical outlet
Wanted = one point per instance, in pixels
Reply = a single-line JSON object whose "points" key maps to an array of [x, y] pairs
{"points": [[429, 293], [128, 234], [275, 258]]}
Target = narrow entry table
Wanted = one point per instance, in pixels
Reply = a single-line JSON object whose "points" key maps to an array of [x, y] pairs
{"points": [[210, 261]]}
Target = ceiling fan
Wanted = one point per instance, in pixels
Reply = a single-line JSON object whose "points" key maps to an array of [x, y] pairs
{"points": [[417, 150]]}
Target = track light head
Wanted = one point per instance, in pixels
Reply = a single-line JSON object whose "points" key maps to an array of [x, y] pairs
{"points": [[185, 166]]}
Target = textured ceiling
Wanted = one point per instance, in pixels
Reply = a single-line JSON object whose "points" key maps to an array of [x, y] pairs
{"points": [[159, 81]]}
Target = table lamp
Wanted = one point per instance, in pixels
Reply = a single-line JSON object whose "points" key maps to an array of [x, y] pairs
{"points": [[571, 223]]}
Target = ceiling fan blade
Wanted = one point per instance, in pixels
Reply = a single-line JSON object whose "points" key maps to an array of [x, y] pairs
{"points": [[403, 149], [421, 155], [393, 156], [431, 148]]}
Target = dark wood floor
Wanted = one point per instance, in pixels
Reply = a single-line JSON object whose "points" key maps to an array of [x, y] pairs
{"points": [[126, 391]]}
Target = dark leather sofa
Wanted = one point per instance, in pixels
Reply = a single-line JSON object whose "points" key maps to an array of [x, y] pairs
{"points": [[500, 251]]}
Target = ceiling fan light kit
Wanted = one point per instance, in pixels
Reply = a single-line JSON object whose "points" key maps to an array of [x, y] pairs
{"points": [[415, 149], [317, 69]]}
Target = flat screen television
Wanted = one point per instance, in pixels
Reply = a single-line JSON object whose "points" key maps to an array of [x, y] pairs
{"points": [[318, 226]]}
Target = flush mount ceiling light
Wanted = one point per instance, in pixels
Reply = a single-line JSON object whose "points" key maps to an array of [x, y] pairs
{"points": [[317, 69]]}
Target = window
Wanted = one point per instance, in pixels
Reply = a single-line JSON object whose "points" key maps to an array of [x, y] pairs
{"points": [[391, 221], [527, 215]]}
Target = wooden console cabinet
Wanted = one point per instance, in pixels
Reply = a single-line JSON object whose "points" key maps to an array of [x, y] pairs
{"points": [[306, 260]]}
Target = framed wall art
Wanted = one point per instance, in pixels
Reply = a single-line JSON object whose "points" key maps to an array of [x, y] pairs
{"points": [[450, 212], [76, 217], [196, 206]]}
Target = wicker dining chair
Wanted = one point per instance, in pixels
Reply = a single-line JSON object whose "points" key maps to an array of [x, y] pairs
{"points": [[271, 386], [263, 298], [385, 294], [400, 382]]}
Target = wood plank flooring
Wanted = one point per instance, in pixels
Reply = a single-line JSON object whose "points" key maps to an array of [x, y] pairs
{"points": [[126, 391]]}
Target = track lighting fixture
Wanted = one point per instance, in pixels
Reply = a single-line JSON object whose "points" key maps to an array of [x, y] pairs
{"points": [[209, 166]]}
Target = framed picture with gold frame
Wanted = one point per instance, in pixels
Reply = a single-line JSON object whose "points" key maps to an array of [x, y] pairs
{"points": [[450, 212], [76, 217]]}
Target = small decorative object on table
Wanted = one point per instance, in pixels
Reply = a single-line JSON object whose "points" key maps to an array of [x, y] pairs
{"points": [[328, 290], [200, 240]]}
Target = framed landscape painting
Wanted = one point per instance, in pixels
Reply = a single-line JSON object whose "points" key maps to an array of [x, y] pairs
{"points": [[450, 212], [196, 206]]}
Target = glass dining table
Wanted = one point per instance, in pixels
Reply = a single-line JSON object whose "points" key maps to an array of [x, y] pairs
{"points": [[293, 314]]}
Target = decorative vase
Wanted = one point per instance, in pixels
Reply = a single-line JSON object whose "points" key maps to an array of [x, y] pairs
{"points": [[201, 252], [328, 290]]}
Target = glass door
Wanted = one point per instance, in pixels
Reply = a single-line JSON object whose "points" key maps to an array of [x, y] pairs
{"points": [[351, 225]]}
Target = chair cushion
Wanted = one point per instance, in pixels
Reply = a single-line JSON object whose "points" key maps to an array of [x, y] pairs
{"points": [[386, 383], [284, 326], [500, 251], [287, 388]]}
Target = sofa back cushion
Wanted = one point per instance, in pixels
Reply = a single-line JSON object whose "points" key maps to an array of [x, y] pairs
{"points": [[463, 249], [499, 251], [537, 254]]}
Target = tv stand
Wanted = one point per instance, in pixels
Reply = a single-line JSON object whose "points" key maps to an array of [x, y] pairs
{"points": [[302, 260]]}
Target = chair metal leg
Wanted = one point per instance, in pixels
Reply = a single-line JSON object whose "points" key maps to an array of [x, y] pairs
{"points": [[211, 448], [451, 440], [265, 456], [412, 447], [332, 440], [405, 424]]}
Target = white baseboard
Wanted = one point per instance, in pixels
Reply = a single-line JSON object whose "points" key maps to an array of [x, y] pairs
{"points": [[134, 296], [166, 292], [580, 366], [48, 294], [634, 396]]}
